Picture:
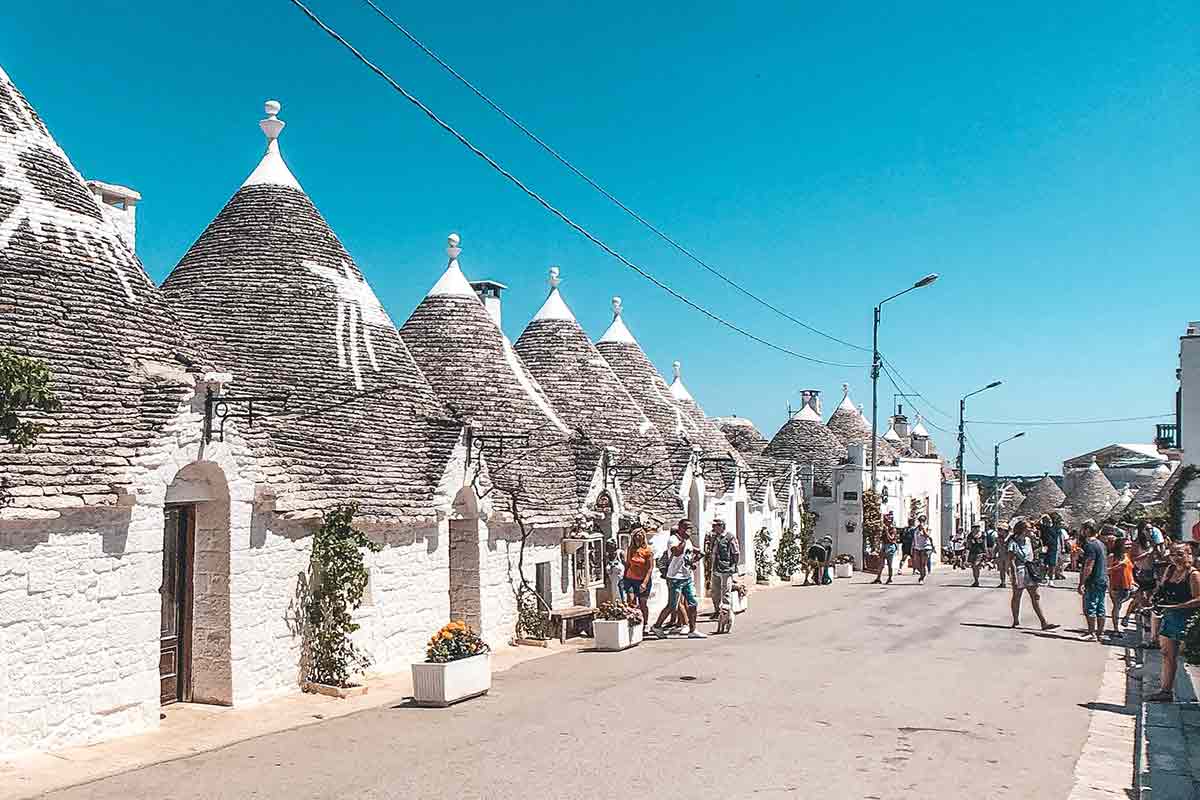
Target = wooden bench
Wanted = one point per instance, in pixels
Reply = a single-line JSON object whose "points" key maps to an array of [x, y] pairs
{"points": [[572, 618]]}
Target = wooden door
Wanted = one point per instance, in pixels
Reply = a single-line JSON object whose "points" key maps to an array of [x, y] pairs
{"points": [[176, 590]]}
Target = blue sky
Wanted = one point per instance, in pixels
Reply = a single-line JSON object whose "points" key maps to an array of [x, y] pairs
{"points": [[1041, 158]]}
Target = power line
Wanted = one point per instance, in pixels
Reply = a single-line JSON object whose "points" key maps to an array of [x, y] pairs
{"points": [[1026, 423], [913, 389], [491, 162], [591, 182]]}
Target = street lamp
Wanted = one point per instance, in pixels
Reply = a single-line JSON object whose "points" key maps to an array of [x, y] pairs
{"points": [[875, 364], [996, 479], [962, 443]]}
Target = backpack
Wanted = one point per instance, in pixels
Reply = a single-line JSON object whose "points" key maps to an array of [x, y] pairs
{"points": [[664, 561]]}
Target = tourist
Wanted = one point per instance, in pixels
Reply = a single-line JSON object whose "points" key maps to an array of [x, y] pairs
{"points": [[1149, 564], [1064, 544], [922, 547], [1051, 547], [1003, 559], [976, 552], [1120, 579], [725, 560], [1093, 581], [887, 548], [818, 556], [683, 559], [1177, 599], [1024, 570], [639, 572], [906, 548], [958, 546]]}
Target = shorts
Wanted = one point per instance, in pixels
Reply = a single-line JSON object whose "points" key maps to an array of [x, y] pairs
{"points": [[907, 550], [976, 558], [1119, 595], [677, 586], [889, 551], [1093, 600], [1174, 623], [634, 586], [1021, 579], [1050, 558]]}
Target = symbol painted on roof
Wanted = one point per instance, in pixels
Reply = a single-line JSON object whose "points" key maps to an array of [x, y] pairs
{"points": [[31, 144], [358, 308]]}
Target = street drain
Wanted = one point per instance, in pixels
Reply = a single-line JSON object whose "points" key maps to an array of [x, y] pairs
{"points": [[685, 678]]}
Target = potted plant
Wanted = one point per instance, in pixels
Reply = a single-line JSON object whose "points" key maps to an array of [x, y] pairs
{"points": [[617, 626], [763, 564], [457, 666], [332, 591], [788, 555], [843, 566]]}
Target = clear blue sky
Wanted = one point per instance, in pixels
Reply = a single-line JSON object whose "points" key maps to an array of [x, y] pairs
{"points": [[1042, 157]]}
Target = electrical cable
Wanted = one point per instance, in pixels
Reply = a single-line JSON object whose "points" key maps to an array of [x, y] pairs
{"points": [[546, 203], [592, 182], [1026, 423]]}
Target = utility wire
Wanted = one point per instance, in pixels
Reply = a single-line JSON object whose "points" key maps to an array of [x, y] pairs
{"points": [[591, 182], [1026, 423], [491, 162], [913, 389]]}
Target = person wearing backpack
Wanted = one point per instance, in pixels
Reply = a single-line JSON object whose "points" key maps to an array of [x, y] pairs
{"points": [[726, 557]]}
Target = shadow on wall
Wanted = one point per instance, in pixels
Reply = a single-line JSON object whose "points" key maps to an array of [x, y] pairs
{"points": [[24, 535], [298, 624], [263, 522]]}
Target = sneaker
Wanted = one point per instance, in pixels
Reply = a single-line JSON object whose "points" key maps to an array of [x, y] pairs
{"points": [[658, 632], [1049, 626], [697, 635], [1086, 637]]}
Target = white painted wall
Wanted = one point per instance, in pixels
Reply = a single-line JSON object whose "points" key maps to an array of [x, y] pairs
{"points": [[1189, 391]]}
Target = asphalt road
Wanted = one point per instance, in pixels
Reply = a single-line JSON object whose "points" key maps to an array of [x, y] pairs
{"points": [[847, 691]]}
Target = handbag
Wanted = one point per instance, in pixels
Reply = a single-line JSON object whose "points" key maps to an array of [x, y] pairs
{"points": [[1035, 571]]}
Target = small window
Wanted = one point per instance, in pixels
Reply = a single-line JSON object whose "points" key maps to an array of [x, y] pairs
{"points": [[849, 497]]}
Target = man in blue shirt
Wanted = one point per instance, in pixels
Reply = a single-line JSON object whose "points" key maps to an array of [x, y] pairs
{"points": [[1093, 581]]}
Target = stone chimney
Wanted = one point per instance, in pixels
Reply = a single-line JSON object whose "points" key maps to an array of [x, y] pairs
{"points": [[920, 444], [489, 293], [900, 423], [812, 399], [856, 455], [119, 204]]}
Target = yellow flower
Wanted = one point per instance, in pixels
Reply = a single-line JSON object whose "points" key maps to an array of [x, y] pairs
{"points": [[447, 635]]}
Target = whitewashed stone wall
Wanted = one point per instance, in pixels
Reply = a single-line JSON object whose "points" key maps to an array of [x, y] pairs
{"points": [[499, 551]]}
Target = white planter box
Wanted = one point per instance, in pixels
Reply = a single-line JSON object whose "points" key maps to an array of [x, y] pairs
{"points": [[614, 635], [843, 571], [440, 685], [798, 579]]}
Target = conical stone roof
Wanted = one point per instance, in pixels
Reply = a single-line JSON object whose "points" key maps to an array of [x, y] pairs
{"points": [[1093, 495], [1043, 498], [851, 427], [479, 376], [273, 295], [808, 442], [1151, 490], [589, 396], [718, 478], [1010, 500], [622, 352], [74, 295], [742, 435]]}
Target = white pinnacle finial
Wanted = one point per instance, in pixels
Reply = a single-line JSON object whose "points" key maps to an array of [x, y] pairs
{"points": [[272, 125], [453, 250], [675, 365], [554, 279], [845, 390], [616, 304]]}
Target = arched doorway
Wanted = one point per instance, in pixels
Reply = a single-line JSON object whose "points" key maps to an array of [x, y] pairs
{"points": [[743, 535], [194, 660]]}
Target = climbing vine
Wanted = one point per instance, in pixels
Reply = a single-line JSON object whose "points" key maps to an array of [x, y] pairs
{"points": [[1175, 518], [24, 386]]}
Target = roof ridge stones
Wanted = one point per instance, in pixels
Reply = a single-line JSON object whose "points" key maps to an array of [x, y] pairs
{"points": [[75, 296], [709, 437], [809, 443], [480, 377], [589, 396], [625, 356], [1044, 497], [851, 427], [275, 297]]}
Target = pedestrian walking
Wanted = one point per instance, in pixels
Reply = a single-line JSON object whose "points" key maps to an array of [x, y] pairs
{"points": [[1064, 544], [922, 549], [1051, 547], [906, 547], [725, 560], [1093, 581], [637, 581], [1025, 573], [888, 544], [1177, 599], [976, 551], [1120, 579], [1003, 558], [680, 588]]}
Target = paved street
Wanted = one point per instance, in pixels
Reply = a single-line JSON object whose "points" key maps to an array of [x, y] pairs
{"points": [[849, 691]]}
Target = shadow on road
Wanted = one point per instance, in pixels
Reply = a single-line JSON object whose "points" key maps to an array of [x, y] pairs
{"points": [[1112, 708]]}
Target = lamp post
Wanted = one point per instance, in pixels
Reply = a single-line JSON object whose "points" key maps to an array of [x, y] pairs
{"points": [[996, 479], [962, 443], [875, 364]]}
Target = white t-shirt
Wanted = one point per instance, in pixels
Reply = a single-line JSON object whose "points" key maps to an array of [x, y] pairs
{"points": [[921, 541], [679, 566]]}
